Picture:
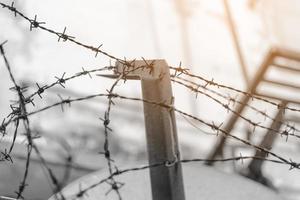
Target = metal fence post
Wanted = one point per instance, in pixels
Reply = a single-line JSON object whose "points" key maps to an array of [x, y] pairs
{"points": [[161, 132]]}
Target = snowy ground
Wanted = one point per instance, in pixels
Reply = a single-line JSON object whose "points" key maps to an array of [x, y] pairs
{"points": [[200, 183]]}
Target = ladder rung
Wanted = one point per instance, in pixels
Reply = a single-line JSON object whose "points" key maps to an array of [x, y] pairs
{"points": [[279, 83], [269, 96], [286, 67], [287, 53]]}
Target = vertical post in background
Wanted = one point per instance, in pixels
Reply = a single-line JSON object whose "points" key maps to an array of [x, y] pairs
{"points": [[236, 42], [181, 8], [161, 131], [255, 167]]}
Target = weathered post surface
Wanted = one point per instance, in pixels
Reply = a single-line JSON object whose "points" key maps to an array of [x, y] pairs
{"points": [[161, 131]]}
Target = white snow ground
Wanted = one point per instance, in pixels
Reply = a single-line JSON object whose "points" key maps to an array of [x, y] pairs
{"points": [[200, 183]]}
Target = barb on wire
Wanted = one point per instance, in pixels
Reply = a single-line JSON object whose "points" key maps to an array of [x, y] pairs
{"points": [[6, 156], [40, 90], [34, 23], [97, 50], [180, 70], [84, 72], [61, 80], [3, 128], [64, 36], [13, 9]]}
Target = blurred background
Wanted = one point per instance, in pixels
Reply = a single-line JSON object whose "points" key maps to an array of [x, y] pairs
{"points": [[197, 33]]}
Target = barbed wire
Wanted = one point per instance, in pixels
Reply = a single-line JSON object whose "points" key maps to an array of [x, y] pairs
{"points": [[233, 100], [114, 184], [178, 70], [19, 110], [219, 85], [60, 81], [22, 111], [65, 37], [19, 114], [119, 172], [213, 126], [63, 80], [226, 106]]}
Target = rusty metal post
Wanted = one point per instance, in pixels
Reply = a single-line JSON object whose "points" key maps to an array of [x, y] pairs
{"points": [[161, 132]]}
